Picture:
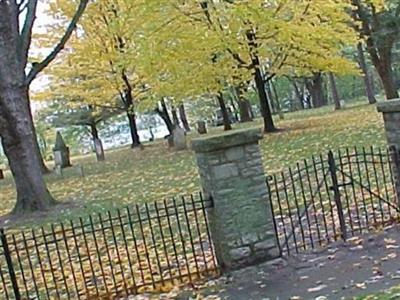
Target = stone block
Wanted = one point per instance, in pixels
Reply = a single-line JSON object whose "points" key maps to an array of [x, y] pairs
{"points": [[179, 138], [253, 171], [391, 106], [240, 253], [249, 238], [225, 171], [234, 154], [227, 140], [265, 245]]}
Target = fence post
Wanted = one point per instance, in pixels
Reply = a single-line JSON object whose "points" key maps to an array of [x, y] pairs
{"points": [[232, 173], [10, 265], [391, 116], [336, 194]]}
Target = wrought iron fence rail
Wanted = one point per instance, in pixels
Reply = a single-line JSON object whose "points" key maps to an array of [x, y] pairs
{"points": [[86, 227], [347, 193], [110, 255]]}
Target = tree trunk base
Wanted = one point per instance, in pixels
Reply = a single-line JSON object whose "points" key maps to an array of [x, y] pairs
{"points": [[137, 146], [271, 130], [26, 206]]}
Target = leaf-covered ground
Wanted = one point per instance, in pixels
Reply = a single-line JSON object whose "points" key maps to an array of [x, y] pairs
{"points": [[136, 176]]}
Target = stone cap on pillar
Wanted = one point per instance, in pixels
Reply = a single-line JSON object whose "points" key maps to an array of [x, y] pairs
{"points": [[389, 106], [227, 140]]}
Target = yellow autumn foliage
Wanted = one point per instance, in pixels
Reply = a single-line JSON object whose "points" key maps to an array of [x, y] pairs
{"points": [[185, 49]]}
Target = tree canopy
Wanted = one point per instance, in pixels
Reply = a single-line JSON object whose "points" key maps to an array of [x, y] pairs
{"points": [[184, 50]]}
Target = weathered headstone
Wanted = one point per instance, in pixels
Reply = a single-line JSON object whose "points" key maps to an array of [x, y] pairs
{"points": [[75, 171], [61, 152], [169, 141], [201, 127], [179, 138], [1, 174], [98, 147], [79, 171], [58, 170], [232, 173]]}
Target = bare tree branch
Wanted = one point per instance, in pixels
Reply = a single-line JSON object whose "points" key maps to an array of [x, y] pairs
{"points": [[37, 68], [26, 33], [23, 5]]}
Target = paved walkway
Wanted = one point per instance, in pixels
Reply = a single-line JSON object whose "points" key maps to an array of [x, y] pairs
{"points": [[362, 266]]}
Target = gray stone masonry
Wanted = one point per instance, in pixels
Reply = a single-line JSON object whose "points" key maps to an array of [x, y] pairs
{"points": [[231, 171], [391, 117]]}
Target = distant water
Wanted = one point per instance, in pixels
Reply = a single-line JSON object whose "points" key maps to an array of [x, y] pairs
{"points": [[125, 138]]}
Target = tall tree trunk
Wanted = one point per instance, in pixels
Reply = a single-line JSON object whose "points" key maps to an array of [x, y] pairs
{"points": [[244, 106], [234, 109], [16, 130], [43, 167], [133, 129], [334, 90], [224, 111], [276, 98], [163, 113], [94, 132], [299, 94], [269, 125], [316, 88], [16, 125], [130, 112], [175, 117], [182, 114], [245, 113], [97, 144], [271, 98], [384, 69], [367, 79]]}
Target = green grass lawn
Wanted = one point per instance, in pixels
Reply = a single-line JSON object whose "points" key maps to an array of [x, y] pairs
{"points": [[135, 176]]}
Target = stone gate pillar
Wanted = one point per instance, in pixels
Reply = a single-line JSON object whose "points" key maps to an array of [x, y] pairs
{"points": [[391, 117], [232, 173]]}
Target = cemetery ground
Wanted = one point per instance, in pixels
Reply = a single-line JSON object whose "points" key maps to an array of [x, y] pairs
{"points": [[155, 172], [364, 264]]}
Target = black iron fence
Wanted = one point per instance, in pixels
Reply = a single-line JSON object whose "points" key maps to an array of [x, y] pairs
{"points": [[140, 248], [333, 196]]}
